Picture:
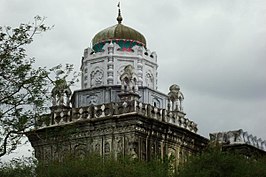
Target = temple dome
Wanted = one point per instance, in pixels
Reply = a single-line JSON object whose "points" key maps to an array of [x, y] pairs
{"points": [[119, 33]]}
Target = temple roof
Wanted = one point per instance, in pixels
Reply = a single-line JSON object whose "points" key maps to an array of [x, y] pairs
{"points": [[119, 32]]}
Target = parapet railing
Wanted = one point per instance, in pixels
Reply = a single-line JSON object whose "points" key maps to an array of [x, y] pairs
{"points": [[61, 116], [238, 137]]}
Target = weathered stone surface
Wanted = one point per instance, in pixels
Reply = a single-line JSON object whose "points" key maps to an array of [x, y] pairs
{"points": [[125, 128]]}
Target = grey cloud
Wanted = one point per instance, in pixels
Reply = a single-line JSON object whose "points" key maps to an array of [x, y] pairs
{"points": [[215, 50]]}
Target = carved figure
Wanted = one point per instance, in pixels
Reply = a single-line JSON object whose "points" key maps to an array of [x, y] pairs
{"points": [[97, 148], [107, 147], [176, 97], [129, 80], [149, 80], [119, 146], [61, 93]]}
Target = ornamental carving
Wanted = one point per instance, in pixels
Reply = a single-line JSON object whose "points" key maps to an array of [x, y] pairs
{"points": [[107, 147], [129, 80], [156, 102], [97, 148], [96, 77], [91, 99], [119, 73], [119, 146], [149, 80], [80, 150]]}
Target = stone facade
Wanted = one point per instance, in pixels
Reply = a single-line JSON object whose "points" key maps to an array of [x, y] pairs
{"points": [[118, 121], [105, 67], [118, 129]]}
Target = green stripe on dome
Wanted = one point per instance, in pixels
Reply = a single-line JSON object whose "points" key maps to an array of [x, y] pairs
{"points": [[125, 45]]}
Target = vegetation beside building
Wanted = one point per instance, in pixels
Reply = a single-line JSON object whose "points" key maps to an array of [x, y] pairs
{"points": [[210, 163]]}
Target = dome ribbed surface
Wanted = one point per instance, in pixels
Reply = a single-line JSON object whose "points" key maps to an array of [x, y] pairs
{"points": [[119, 31]]}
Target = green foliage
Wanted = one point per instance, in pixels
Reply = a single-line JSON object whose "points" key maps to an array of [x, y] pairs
{"points": [[212, 163], [215, 163], [23, 89], [94, 165], [88, 166], [24, 167]]}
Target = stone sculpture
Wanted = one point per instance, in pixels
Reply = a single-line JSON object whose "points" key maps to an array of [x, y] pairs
{"points": [[61, 93], [175, 98], [129, 80]]}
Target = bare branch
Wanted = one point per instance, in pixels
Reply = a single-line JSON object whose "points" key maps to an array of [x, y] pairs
{"points": [[4, 145]]}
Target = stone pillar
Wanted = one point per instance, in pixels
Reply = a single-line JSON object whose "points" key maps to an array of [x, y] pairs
{"points": [[110, 65]]}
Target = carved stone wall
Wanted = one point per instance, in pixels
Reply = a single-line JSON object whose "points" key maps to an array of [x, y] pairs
{"points": [[107, 94], [117, 129], [105, 67]]}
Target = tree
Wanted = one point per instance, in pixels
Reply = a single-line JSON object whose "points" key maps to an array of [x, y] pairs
{"points": [[23, 89], [89, 165], [19, 167], [215, 163], [94, 165]]}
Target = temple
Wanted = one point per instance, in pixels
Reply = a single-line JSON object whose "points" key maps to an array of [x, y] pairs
{"points": [[118, 111]]}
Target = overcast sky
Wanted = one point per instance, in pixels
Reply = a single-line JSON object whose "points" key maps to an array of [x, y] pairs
{"points": [[215, 50]]}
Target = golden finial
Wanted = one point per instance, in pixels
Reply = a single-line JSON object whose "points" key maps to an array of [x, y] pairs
{"points": [[119, 18]]}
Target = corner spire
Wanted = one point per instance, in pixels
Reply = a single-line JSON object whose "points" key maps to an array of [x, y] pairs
{"points": [[119, 17]]}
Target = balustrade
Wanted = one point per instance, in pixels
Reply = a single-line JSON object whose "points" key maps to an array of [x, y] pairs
{"points": [[71, 115]]}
